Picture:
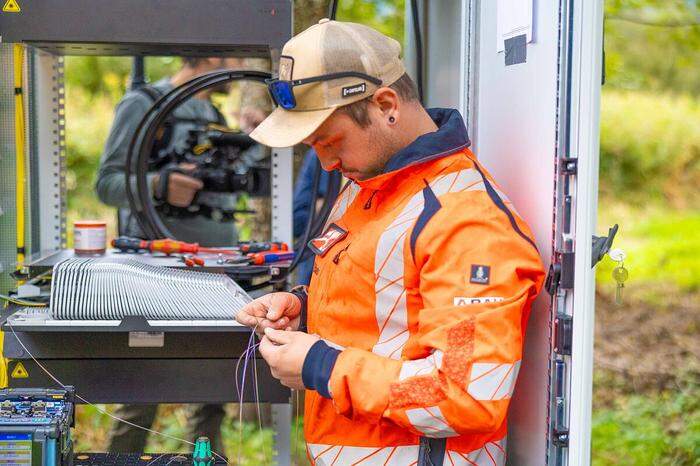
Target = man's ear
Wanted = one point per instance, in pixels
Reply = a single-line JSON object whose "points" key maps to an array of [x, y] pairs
{"points": [[388, 102]]}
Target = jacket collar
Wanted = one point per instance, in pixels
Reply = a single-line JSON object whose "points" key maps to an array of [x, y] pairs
{"points": [[450, 137]]}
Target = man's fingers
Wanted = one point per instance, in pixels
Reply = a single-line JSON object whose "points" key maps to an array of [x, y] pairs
{"points": [[247, 319], [267, 349], [279, 337], [244, 319], [182, 189], [277, 308], [186, 182], [274, 311], [280, 324], [188, 167], [259, 310], [251, 315], [264, 323]]}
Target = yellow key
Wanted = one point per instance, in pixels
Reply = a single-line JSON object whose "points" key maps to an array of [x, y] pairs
{"points": [[620, 275]]}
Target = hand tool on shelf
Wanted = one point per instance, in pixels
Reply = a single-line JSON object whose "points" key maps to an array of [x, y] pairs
{"points": [[261, 258], [170, 246]]}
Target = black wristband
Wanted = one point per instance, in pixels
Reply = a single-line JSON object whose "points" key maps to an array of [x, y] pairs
{"points": [[301, 293], [161, 194]]}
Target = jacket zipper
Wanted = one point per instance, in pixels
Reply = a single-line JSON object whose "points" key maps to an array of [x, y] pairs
{"points": [[368, 204], [336, 258]]}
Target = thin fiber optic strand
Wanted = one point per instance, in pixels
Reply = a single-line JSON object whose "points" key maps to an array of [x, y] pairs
{"points": [[246, 356], [87, 402]]}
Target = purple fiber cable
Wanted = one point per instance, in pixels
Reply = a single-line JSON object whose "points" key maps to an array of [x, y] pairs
{"points": [[250, 349]]}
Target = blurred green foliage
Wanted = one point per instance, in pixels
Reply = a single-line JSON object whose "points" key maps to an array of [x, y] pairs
{"points": [[385, 16], [108, 76], [653, 45], [650, 148]]}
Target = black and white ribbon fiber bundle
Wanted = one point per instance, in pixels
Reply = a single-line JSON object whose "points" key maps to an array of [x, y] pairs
{"points": [[114, 288]]}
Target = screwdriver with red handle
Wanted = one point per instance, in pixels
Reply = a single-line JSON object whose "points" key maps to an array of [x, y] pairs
{"points": [[167, 246], [170, 246]]}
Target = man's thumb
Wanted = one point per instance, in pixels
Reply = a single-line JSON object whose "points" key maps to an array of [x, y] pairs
{"points": [[278, 306], [279, 337]]}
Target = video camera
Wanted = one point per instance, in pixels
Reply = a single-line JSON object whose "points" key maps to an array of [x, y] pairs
{"points": [[214, 154], [227, 164]]}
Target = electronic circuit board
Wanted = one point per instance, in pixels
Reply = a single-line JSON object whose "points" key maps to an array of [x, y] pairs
{"points": [[35, 426]]}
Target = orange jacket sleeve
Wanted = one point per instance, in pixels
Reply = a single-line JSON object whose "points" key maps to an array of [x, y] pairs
{"points": [[477, 277]]}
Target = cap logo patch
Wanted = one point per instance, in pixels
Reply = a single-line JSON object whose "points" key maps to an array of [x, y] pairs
{"points": [[322, 244], [286, 67], [480, 274], [354, 90]]}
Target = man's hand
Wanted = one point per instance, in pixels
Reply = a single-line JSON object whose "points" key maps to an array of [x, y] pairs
{"points": [[285, 353], [275, 310], [181, 188]]}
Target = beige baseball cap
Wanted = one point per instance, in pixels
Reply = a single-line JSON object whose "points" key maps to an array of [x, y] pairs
{"points": [[325, 48]]}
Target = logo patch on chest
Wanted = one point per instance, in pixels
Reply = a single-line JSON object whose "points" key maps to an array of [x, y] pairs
{"points": [[322, 244], [480, 274], [467, 301]]}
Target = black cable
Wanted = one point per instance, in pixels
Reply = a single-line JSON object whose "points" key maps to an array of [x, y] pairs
{"points": [[130, 159], [332, 190], [418, 38], [301, 245], [332, 9], [138, 73], [142, 144], [213, 81]]}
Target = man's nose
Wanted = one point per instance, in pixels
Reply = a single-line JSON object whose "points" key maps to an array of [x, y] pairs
{"points": [[328, 162]]}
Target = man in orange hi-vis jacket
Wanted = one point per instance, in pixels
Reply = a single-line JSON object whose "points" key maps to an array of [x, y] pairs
{"points": [[410, 338]]}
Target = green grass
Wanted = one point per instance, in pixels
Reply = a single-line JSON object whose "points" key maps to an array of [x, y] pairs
{"points": [[650, 427], [644, 430]]}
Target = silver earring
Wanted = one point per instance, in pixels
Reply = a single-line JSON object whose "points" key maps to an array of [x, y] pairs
{"points": [[392, 119]]}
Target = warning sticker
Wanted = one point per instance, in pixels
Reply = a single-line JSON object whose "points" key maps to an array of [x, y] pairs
{"points": [[19, 372], [11, 6]]}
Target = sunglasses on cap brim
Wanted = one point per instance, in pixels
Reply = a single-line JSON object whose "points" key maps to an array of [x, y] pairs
{"points": [[282, 92]]}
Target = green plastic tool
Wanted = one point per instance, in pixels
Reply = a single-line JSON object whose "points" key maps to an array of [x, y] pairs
{"points": [[201, 456]]}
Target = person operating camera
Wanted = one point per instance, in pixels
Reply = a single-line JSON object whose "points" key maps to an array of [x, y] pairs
{"points": [[174, 187]]}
